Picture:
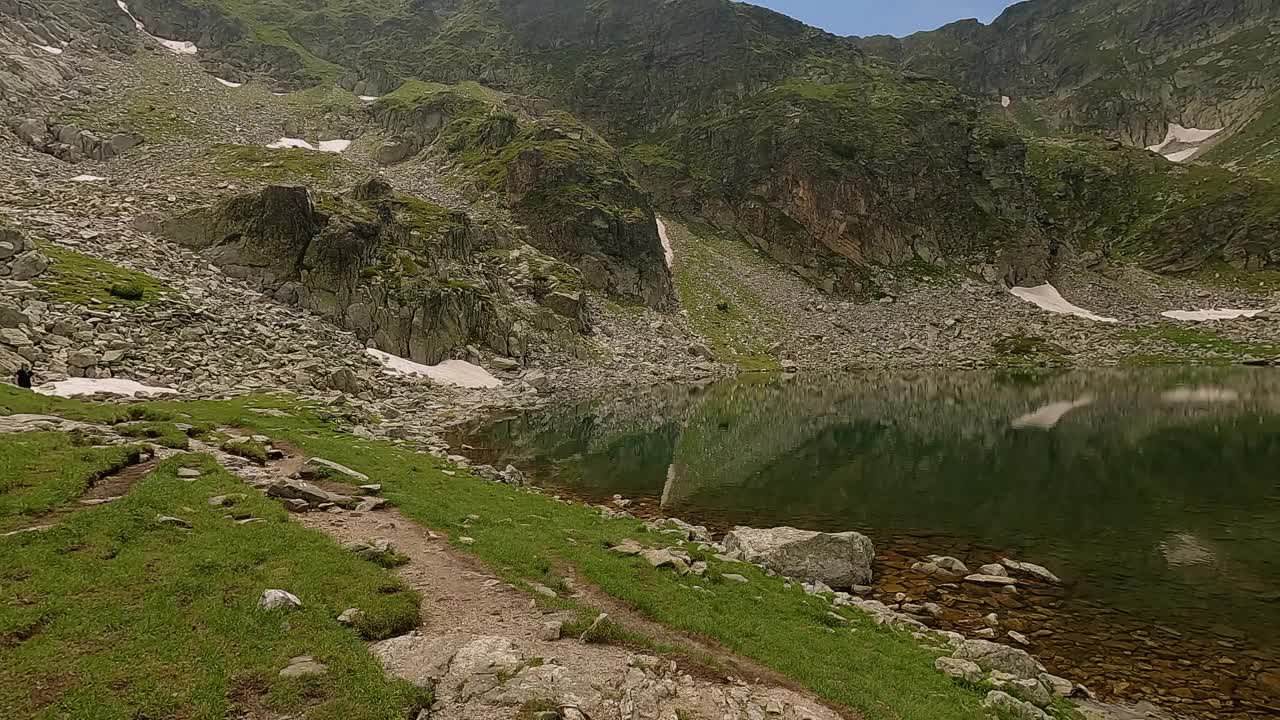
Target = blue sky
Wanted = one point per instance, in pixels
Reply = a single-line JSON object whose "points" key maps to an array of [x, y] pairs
{"points": [[884, 17]]}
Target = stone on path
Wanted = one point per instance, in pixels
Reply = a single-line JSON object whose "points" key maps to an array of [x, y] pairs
{"points": [[319, 468], [840, 560], [305, 491]]}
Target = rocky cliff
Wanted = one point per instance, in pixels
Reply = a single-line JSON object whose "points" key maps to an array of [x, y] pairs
{"points": [[401, 273], [1123, 68]]}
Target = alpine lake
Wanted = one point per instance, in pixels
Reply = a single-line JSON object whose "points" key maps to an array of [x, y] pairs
{"points": [[1154, 494]]}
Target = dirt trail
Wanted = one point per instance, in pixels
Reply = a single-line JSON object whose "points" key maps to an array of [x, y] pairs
{"points": [[491, 651]]}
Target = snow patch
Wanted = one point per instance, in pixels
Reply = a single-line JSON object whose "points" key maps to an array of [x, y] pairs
{"points": [[88, 386], [286, 142], [1200, 395], [1048, 298], [1005, 101], [369, 98], [177, 46], [1047, 417], [334, 146], [1182, 155], [50, 49], [1179, 136], [667, 251], [450, 372], [87, 178], [1209, 315], [228, 83]]}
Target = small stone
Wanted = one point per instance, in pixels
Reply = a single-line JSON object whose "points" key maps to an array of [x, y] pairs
{"points": [[304, 666], [189, 473], [627, 547], [174, 521], [1019, 638], [279, 599], [350, 616], [467, 541], [991, 620], [551, 630], [227, 500], [371, 489], [990, 579], [544, 590], [986, 633], [733, 577], [993, 570]]}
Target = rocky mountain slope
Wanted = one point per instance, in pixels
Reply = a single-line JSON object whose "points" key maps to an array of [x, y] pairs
{"points": [[1126, 69]]}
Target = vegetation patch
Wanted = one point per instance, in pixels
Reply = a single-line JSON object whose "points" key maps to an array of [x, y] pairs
{"points": [[247, 449], [267, 165], [78, 278], [43, 471], [125, 617]]}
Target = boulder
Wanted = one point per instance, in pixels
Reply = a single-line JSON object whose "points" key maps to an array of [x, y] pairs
{"points": [[395, 151], [1006, 706], [346, 381], [319, 468], [82, 359], [305, 491], [572, 306], [28, 265], [33, 132], [1002, 658], [840, 560], [965, 670]]}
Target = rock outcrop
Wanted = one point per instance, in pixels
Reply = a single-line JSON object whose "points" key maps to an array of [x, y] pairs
{"points": [[72, 144], [373, 262], [559, 178], [840, 560]]}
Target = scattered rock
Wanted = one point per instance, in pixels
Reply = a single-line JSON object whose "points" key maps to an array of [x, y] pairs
{"points": [[551, 630], [1007, 706], [965, 670], [318, 468], [350, 616], [278, 599], [174, 521], [993, 656]]}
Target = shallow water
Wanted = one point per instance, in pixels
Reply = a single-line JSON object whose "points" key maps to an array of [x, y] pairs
{"points": [[1154, 494]]}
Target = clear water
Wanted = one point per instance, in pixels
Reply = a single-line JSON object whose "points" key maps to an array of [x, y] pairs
{"points": [[1155, 495]]}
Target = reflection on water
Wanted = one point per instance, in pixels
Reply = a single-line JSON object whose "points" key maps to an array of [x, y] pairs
{"points": [[1153, 493]]}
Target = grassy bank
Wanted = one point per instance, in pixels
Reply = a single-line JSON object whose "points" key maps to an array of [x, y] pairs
{"points": [[529, 537], [116, 614]]}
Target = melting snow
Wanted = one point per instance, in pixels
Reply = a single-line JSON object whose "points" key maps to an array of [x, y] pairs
{"points": [[1047, 417], [1179, 135], [286, 142], [1200, 395], [450, 372], [50, 49], [178, 46], [87, 178], [667, 252], [1005, 101], [1209, 315], [334, 146], [1182, 155], [228, 83], [87, 386], [1047, 297]]}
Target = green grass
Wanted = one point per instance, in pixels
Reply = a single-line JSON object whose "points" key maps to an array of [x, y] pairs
{"points": [[78, 278], [1199, 341], [247, 449], [261, 164], [165, 434], [42, 471], [113, 615], [529, 538], [732, 317]]}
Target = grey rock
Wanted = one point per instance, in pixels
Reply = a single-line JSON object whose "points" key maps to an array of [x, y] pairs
{"points": [[734, 577], [1037, 571], [304, 666], [350, 616], [319, 468], [82, 359], [28, 265], [189, 473], [965, 670], [173, 521], [550, 631], [345, 380], [840, 560], [1007, 706], [227, 500], [14, 337], [504, 364], [993, 570], [301, 490], [279, 600], [993, 656]]}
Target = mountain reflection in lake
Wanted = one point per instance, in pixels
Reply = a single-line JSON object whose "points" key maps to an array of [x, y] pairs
{"points": [[1152, 493]]}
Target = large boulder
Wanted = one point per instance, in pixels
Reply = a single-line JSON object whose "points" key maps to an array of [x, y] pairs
{"points": [[1001, 658], [840, 560]]}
